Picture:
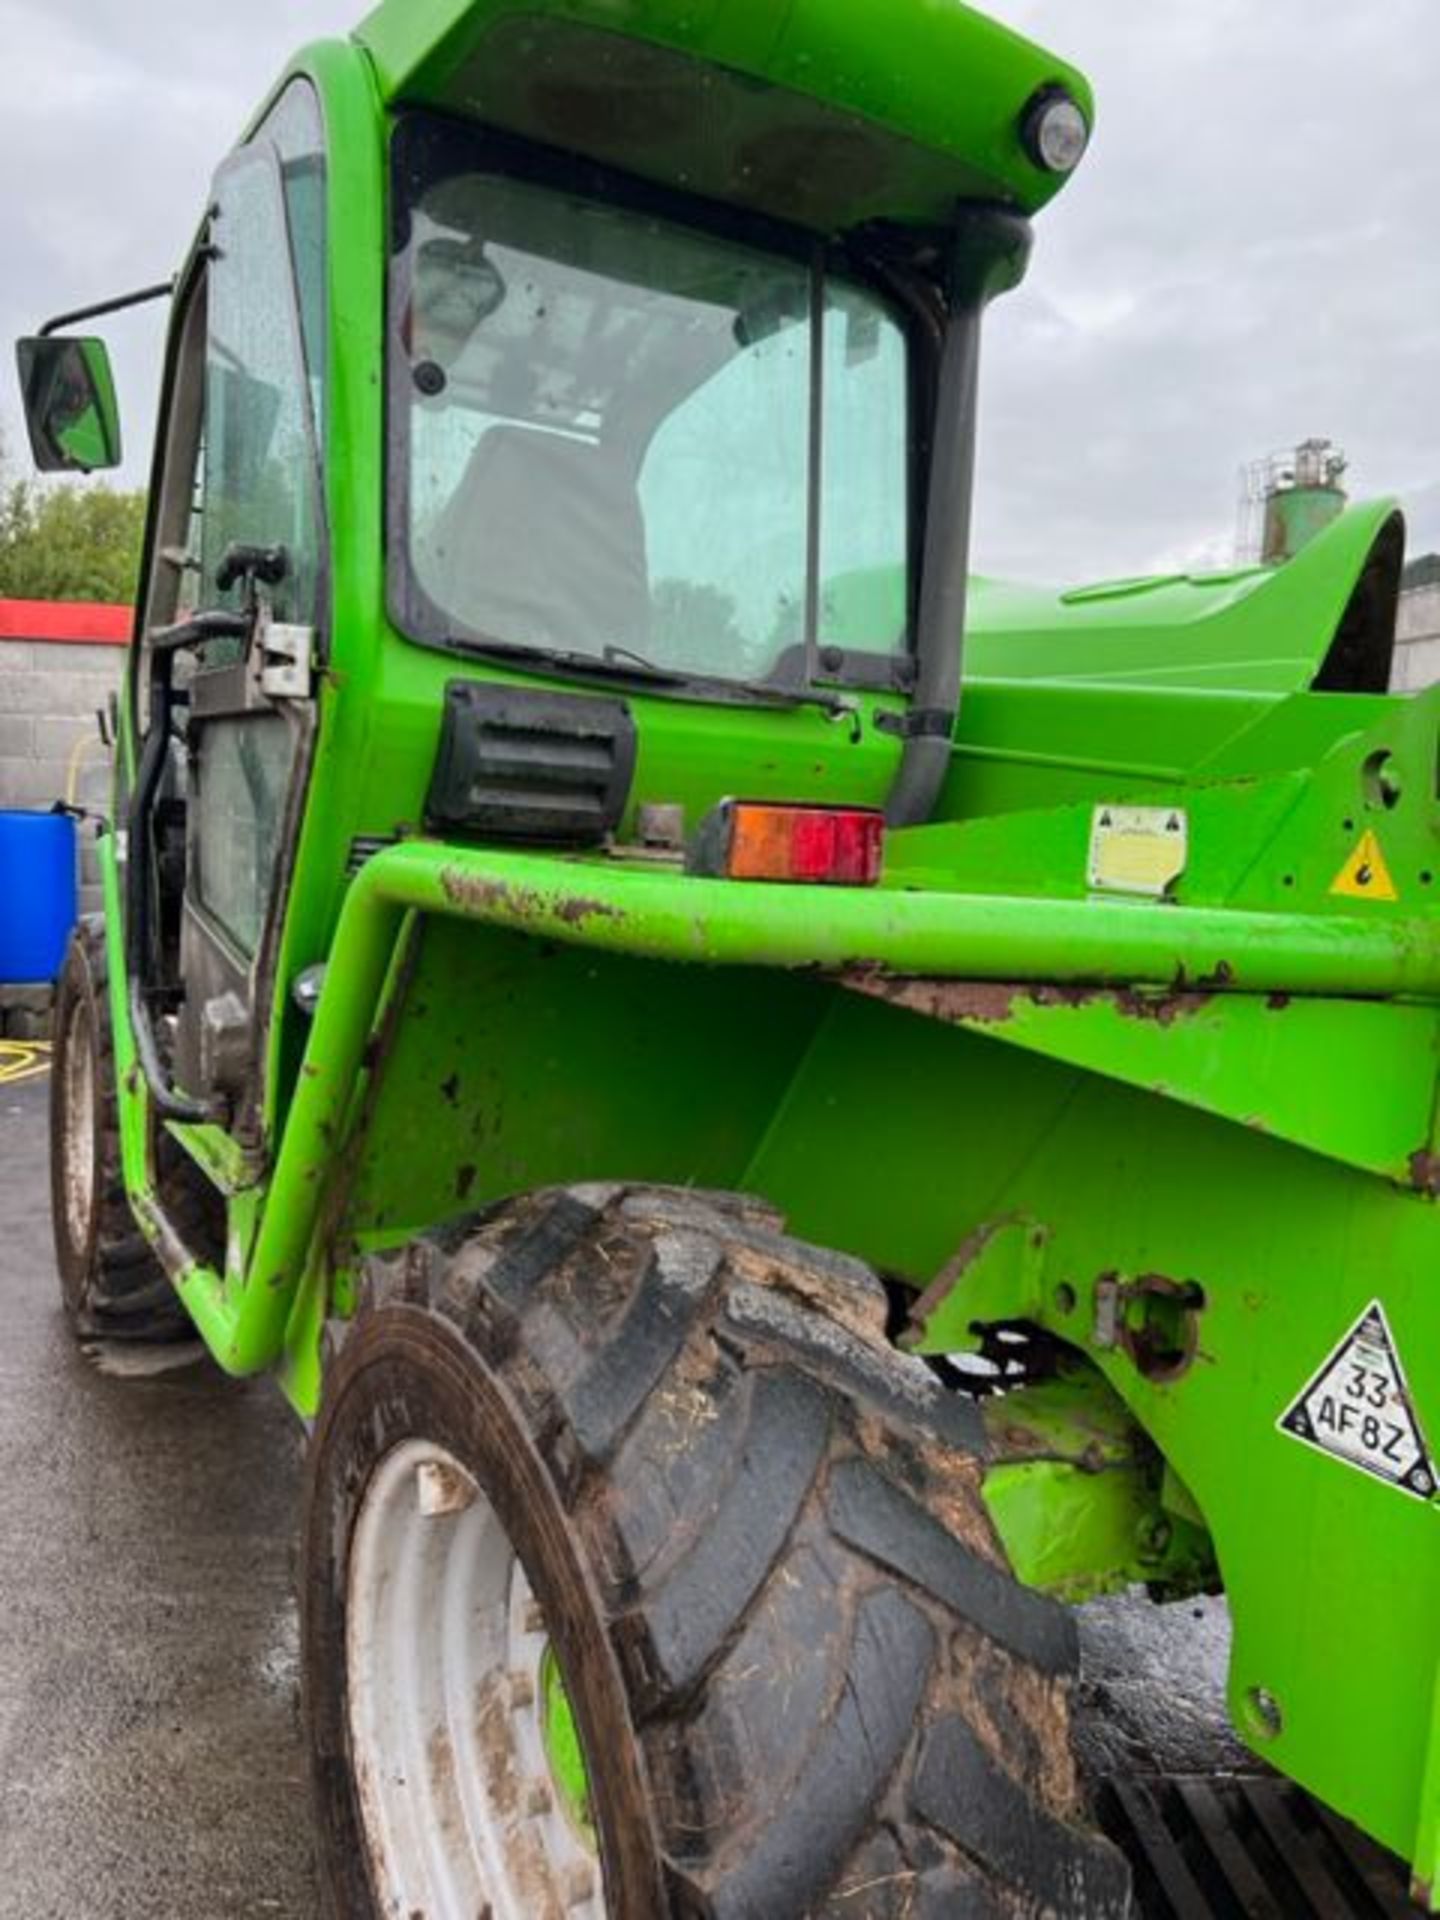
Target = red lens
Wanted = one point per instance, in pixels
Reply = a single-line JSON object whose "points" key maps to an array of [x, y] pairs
{"points": [[858, 842], [812, 846], [824, 846]]}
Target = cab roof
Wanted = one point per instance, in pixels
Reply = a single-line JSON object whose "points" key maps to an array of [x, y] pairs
{"points": [[826, 113]]}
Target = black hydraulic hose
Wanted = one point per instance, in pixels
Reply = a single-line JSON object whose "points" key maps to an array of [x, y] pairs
{"points": [[166, 642], [171, 1104], [944, 581], [992, 247]]}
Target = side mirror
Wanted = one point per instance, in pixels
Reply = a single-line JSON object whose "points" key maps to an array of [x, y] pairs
{"points": [[68, 391]]}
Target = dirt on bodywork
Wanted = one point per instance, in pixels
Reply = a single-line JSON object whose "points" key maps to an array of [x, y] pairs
{"points": [[993, 1002]]}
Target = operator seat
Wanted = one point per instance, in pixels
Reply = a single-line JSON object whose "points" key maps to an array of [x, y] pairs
{"points": [[543, 544]]}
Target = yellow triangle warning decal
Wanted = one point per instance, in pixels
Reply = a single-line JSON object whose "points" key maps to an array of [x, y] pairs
{"points": [[1365, 875]]}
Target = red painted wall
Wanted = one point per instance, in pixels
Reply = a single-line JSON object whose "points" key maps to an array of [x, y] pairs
{"points": [[61, 622]]}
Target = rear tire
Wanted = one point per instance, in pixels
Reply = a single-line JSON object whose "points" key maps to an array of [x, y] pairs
{"points": [[803, 1679], [112, 1285]]}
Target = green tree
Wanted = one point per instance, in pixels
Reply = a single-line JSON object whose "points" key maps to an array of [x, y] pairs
{"points": [[68, 542]]}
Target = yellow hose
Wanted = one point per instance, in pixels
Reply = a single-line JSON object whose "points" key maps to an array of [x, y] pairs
{"points": [[77, 757]]}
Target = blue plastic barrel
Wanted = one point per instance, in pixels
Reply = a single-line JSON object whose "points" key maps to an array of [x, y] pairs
{"points": [[38, 902]]}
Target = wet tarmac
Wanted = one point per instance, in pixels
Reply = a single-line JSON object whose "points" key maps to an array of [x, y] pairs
{"points": [[1153, 1692], [150, 1760]]}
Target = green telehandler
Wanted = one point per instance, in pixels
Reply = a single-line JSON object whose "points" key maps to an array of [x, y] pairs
{"points": [[768, 1180]]}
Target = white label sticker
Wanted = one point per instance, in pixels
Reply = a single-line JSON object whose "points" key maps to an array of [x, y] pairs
{"points": [[1358, 1409], [1138, 849]]}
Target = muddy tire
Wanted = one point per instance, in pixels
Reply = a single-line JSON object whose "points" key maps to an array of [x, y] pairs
{"points": [[111, 1283], [753, 1540]]}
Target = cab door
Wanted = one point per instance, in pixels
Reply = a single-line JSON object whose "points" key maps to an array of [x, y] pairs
{"points": [[242, 506]]}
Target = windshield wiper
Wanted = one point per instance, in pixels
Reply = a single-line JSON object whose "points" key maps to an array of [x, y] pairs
{"points": [[613, 664], [834, 706], [621, 663]]}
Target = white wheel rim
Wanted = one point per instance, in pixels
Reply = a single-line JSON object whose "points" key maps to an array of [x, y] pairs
{"points": [[78, 1152], [444, 1649]]}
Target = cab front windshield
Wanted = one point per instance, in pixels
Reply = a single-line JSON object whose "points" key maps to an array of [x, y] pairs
{"points": [[639, 443]]}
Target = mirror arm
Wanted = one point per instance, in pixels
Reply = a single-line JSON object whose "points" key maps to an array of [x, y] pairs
{"points": [[118, 305]]}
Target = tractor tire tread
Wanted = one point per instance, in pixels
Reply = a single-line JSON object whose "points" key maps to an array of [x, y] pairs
{"points": [[126, 1295], [783, 1514]]}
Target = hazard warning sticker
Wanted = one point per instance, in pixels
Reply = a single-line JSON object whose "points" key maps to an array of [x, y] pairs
{"points": [[1365, 875], [1358, 1409]]}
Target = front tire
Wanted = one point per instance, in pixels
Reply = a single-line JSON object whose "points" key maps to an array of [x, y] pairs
{"points": [[644, 1436], [111, 1284]]}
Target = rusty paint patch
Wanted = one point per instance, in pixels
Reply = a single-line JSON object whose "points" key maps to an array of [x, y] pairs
{"points": [[993, 1003], [475, 894], [1163, 1008], [1093, 1439], [1425, 1170], [1222, 976], [1015, 1441], [949, 1277], [1153, 1320], [986, 1001], [576, 908]]}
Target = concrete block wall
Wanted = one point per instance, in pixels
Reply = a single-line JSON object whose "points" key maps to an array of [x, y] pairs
{"points": [[58, 666], [1417, 653]]}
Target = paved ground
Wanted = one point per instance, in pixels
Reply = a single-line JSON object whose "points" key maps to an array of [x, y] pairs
{"points": [[150, 1766]]}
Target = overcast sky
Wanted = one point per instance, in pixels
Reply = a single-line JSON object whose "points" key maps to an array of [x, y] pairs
{"points": [[1250, 255]]}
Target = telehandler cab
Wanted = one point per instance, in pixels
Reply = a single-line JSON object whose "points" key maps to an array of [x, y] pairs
{"points": [[769, 1180]]}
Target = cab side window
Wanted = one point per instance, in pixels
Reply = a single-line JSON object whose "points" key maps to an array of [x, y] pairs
{"points": [[258, 485], [260, 482]]}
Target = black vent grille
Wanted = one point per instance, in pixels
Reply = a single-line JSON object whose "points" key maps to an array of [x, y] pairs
{"points": [[365, 847], [520, 765]]}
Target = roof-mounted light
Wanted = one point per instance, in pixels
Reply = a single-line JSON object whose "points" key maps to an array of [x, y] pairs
{"points": [[1055, 131]]}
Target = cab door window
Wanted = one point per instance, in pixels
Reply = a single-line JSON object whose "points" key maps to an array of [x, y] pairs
{"points": [[259, 487], [260, 484]]}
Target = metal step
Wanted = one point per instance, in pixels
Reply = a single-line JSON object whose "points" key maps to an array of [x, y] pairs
{"points": [[1247, 1847]]}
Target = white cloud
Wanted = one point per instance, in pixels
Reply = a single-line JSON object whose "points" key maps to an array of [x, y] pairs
{"points": [[113, 116], [1249, 256]]}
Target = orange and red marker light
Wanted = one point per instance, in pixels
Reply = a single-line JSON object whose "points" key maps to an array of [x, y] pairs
{"points": [[814, 846]]}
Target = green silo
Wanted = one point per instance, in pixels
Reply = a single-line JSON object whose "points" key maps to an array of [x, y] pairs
{"points": [[1302, 496]]}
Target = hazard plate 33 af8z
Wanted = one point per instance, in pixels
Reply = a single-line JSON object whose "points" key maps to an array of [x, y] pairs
{"points": [[1358, 1409]]}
